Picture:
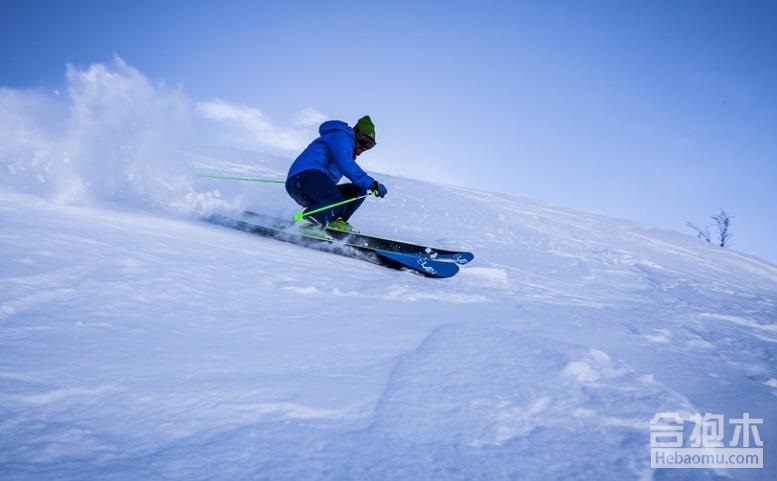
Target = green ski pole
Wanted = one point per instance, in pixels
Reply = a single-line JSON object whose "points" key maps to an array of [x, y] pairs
{"points": [[245, 179], [302, 214], [299, 215]]}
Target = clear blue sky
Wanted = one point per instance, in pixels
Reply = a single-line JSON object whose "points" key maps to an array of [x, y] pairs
{"points": [[660, 112]]}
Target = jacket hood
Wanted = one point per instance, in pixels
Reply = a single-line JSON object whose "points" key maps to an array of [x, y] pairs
{"points": [[333, 125]]}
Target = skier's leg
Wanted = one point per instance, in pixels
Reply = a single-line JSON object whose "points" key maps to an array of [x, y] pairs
{"points": [[319, 190], [349, 191], [294, 188]]}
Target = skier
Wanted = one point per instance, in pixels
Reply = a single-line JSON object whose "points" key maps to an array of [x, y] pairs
{"points": [[313, 177]]}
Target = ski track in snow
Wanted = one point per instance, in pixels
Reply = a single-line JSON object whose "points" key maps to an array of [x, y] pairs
{"points": [[136, 345]]}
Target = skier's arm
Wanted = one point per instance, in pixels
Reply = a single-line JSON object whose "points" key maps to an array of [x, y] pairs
{"points": [[342, 151]]}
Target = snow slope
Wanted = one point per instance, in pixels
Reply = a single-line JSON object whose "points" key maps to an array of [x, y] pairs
{"points": [[139, 343]]}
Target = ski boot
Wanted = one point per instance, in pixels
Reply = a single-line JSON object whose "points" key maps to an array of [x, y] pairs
{"points": [[342, 226], [314, 229]]}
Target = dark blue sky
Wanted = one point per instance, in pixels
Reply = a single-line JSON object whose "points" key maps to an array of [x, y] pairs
{"points": [[661, 112]]}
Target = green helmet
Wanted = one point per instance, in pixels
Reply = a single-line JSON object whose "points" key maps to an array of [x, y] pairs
{"points": [[366, 127]]}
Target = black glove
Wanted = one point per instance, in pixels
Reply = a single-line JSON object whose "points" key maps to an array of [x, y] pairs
{"points": [[378, 189]]}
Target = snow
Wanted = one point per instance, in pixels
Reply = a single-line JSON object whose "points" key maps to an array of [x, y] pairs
{"points": [[143, 344], [137, 342]]}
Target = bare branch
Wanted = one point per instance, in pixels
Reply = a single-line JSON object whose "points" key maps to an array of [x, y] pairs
{"points": [[701, 234]]}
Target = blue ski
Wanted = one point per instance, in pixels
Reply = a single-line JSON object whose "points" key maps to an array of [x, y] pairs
{"points": [[279, 229], [375, 242]]}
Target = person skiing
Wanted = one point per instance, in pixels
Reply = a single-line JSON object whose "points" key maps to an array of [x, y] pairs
{"points": [[313, 177]]}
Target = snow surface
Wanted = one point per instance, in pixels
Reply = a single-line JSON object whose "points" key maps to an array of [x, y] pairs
{"points": [[137, 342], [141, 344]]}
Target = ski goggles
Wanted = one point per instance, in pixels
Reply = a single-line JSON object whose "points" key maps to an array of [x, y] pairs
{"points": [[365, 141]]}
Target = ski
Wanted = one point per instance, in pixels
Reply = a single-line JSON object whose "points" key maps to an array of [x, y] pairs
{"points": [[374, 242], [288, 231]]}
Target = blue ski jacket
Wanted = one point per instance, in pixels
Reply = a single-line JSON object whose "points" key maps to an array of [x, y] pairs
{"points": [[332, 153]]}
